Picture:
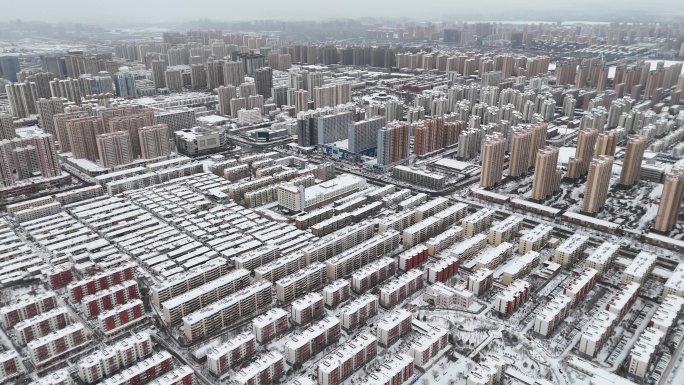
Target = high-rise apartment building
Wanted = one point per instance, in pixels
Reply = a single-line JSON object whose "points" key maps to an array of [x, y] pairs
{"points": [[9, 67], [114, 149], [154, 141], [198, 76], [393, 143], [81, 133], [313, 80], [66, 88], [584, 153], [566, 72], [174, 79], [7, 127], [158, 69], [124, 84], [333, 127], [547, 174], [247, 90], [634, 155], [493, 152], [130, 124], [47, 109], [21, 157], [428, 137], [21, 99], [363, 135], [61, 134], [214, 70], [598, 181], [606, 142], [670, 201], [233, 73], [263, 81], [225, 94]]}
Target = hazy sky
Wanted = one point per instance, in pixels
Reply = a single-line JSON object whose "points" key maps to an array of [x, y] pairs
{"points": [[156, 11]]}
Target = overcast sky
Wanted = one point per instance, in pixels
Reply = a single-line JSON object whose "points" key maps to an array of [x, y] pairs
{"points": [[159, 11]]}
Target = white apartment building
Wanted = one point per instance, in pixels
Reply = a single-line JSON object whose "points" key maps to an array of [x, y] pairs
{"points": [[505, 230], [602, 258], [640, 268], [477, 222], [570, 250], [534, 239], [520, 267]]}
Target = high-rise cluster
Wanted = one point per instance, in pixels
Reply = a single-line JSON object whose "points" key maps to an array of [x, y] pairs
{"points": [[22, 158]]}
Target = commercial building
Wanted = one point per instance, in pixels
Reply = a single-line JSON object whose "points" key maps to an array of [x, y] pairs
{"points": [[445, 296], [430, 180], [296, 198]]}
